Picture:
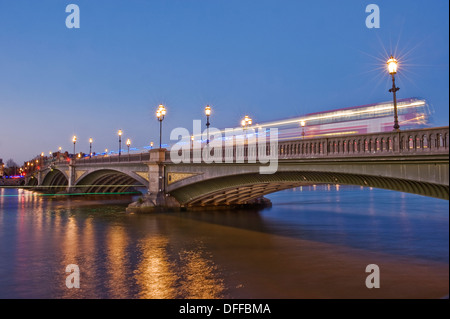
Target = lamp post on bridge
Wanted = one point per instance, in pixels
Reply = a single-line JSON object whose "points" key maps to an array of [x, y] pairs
{"points": [[151, 145], [208, 113], [160, 113], [303, 124], [90, 147], [120, 141], [246, 122], [128, 145], [392, 68], [74, 140]]}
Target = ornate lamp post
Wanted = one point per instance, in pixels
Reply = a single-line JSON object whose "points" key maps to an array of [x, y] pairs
{"points": [[120, 141], [160, 113], [90, 147], [208, 113], [128, 145], [392, 68], [303, 124], [246, 122], [74, 140]]}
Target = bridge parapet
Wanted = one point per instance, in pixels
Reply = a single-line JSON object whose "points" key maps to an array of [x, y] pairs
{"points": [[428, 141], [413, 142]]}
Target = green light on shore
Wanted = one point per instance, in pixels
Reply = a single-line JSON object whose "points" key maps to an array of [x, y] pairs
{"points": [[73, 194]]}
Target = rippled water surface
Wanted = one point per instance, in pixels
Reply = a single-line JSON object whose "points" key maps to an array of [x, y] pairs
{"points": [[314, 242]]}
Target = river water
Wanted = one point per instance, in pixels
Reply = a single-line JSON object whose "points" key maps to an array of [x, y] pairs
{"points": [[314, 242]]}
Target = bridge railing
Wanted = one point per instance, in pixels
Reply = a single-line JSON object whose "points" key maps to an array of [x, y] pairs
{"points": [[412, 142], [126, 158]]}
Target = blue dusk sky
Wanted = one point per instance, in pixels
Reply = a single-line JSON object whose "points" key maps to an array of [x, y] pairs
{"points": [[268, 59]]}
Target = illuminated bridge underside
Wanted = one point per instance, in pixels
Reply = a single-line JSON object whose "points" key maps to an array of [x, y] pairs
{"points": [[107, 181], [242, 189], [55, 179]]}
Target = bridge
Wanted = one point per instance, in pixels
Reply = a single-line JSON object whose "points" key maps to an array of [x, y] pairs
{"points": [[414, 161]]}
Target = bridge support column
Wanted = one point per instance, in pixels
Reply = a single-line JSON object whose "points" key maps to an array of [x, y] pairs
{"points": [[71, 181], [39, 178], [156, 198]]}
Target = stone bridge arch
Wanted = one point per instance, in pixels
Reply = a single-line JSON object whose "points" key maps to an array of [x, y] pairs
{"points": [[54, 180], [108, 181], [244, 188]]}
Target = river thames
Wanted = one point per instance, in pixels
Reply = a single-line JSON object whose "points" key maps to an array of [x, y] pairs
{"points": [[314, 242]]}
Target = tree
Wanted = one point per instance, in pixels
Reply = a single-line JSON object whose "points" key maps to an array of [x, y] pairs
{"points": [[11, 164]]}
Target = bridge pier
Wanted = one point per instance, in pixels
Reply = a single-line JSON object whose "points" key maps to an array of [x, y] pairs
{"points": [[156, 197], [71, 179]]}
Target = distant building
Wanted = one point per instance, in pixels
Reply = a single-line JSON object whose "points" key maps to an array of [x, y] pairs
{"points": [[2, 168]]}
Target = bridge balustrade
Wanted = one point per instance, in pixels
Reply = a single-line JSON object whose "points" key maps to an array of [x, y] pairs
{"points": [[413, 142]]}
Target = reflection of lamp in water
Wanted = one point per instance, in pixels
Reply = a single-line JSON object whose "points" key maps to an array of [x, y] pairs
{"points": [[392, 68]]}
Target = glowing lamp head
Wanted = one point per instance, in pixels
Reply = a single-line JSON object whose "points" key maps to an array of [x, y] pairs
{"points": [[208, 110], [161, 112], [243, 122], [392, 65], [192, 137], [119, 132], [302, 123], [79, 155], [249, 121], [128, 142], [151, 144], [74, 139], [59, 148], [91, 140]]}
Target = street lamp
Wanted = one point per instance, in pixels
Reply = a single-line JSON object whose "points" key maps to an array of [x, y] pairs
{"points": [[208, 113], [120, 140], [246, 122], [151, 145], [303, 124], [128, 145], [160, 113], [392, 68], [74, 140], [90, 147]]}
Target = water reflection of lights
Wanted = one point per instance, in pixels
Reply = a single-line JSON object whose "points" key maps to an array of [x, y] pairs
{"points": [[199, 276], [155, 274], [117, 257]]}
